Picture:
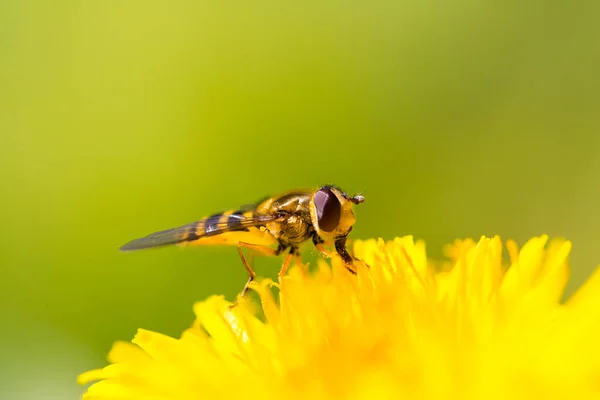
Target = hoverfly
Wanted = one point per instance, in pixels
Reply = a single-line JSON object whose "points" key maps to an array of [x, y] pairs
{"points": [[286, 221]]}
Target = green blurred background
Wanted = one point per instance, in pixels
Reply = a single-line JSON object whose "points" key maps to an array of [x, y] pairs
{"points": [[120, 118]]}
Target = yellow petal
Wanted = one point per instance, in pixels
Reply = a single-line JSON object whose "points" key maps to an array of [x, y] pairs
{"points": [[404, 327]]}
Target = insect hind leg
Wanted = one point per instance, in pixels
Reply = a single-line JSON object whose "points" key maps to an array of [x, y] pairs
{"points": [[268, 251]]}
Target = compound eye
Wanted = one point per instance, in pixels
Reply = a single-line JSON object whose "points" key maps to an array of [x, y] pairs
{"points": [[329, 210]]}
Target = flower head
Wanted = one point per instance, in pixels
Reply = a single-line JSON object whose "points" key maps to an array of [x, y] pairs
{"points": [[471, 327]]}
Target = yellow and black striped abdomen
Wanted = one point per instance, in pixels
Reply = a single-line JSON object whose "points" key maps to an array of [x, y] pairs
{"points": [[225, 228]]}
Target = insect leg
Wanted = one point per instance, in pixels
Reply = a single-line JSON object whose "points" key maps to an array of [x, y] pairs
{"points": [[298, 257], [340, 247], [286, 263], [251, 274], [318, 242]]}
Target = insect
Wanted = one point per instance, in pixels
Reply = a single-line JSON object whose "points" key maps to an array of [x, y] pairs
{"points": [[324, 216]]}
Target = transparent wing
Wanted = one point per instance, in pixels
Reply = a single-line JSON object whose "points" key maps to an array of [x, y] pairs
{"points": [[162, 238], [207, 227]]}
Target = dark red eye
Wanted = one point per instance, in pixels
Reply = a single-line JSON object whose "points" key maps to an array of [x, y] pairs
{"points": [[329, 210]]}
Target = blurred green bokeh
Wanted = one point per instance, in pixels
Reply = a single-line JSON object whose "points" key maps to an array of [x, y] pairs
{"points": [[453, 119]]}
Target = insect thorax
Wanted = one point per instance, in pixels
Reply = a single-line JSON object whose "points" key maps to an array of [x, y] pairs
{"points": [[294, 230]]}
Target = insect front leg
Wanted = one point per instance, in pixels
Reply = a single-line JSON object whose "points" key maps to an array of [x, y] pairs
{"points": [[318, 242], [340, 247]]}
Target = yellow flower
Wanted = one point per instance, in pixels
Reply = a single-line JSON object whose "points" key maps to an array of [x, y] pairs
{"points": [[473, 327]]}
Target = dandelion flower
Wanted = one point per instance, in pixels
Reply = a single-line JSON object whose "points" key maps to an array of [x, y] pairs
{"points": [[406, 327]]}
